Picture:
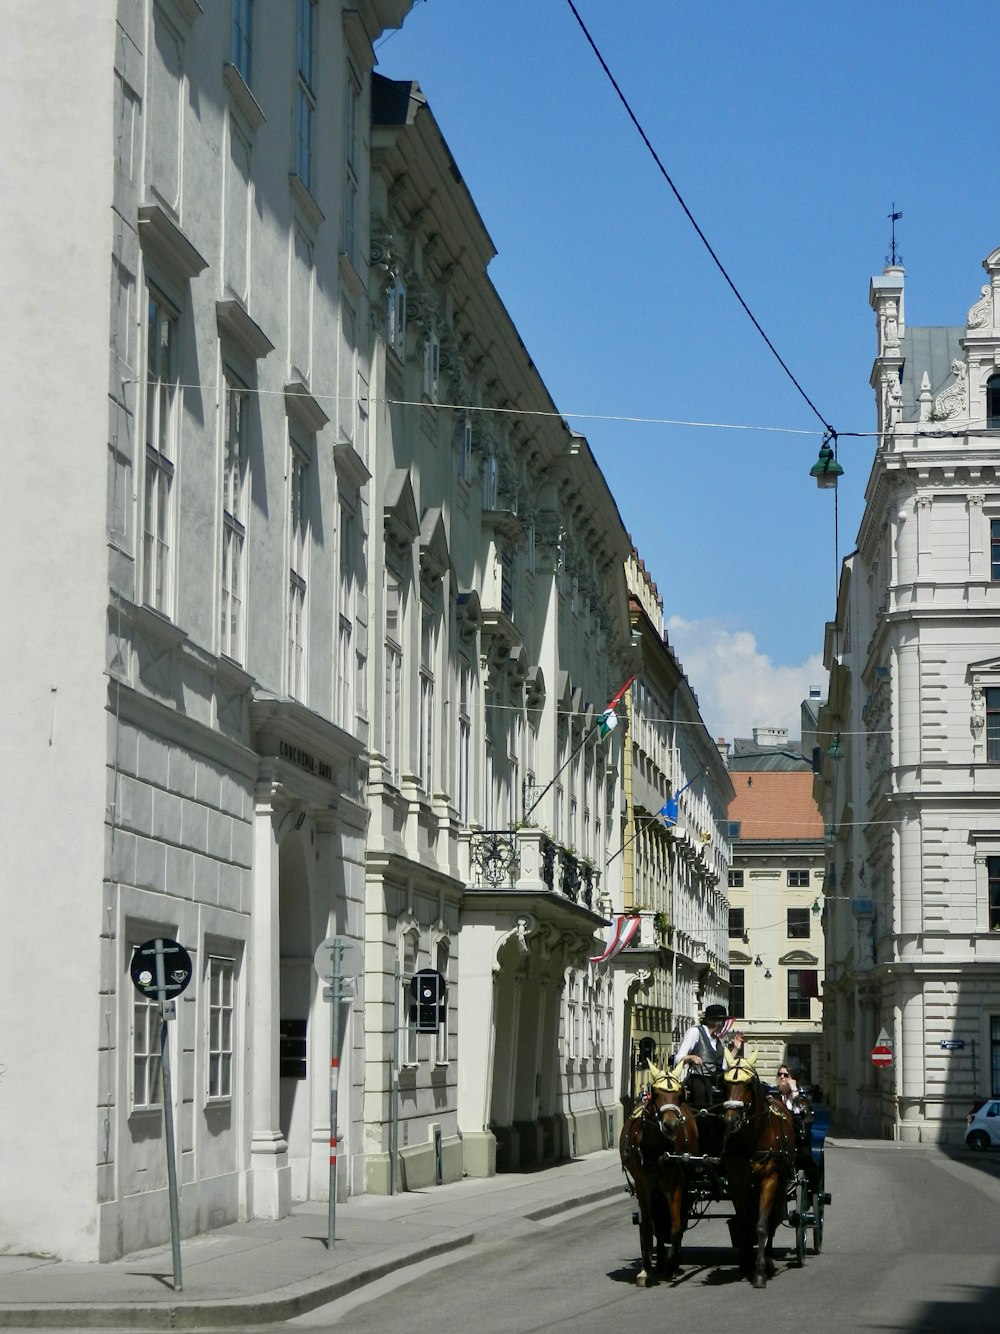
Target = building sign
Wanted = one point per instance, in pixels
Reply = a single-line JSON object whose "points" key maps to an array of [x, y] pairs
{"points": [[302, 759]]}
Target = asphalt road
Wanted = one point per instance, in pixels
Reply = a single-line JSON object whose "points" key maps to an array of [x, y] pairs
{"points": [[910, 1245]]}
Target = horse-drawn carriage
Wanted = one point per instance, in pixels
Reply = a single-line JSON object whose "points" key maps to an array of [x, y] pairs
{"points": [[749, 1149]]}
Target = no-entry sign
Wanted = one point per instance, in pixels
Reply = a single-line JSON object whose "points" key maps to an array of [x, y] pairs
{"points": [[881, 1056]]}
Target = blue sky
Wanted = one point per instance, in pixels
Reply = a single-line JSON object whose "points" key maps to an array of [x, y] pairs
{"points": [[790, 130]]}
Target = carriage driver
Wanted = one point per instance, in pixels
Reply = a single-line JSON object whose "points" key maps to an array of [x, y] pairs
{"points": [[707, 1056]]}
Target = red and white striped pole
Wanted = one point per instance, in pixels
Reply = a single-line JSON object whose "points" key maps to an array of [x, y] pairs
{"points": [[336, 994]]}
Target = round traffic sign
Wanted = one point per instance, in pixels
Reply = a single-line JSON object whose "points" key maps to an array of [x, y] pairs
{"points": [[177, 968], [881, 1056], [345, 951]]}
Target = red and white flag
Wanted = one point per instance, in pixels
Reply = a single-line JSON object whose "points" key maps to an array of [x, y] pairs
{"points": [[621, 931]]}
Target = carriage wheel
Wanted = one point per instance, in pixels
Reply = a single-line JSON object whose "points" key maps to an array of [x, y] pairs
{"points": [[819, 1202], [800, 1223]]}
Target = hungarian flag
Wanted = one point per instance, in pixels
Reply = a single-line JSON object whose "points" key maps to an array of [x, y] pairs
{"points": [[620, 933], [608, 720]]}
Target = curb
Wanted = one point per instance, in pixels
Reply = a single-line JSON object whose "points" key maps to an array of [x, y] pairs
{"points": [[267, 1308], [226, 1313]]}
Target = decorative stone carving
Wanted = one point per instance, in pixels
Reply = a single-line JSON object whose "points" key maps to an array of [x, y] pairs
{"points": [[977, 720], [952, 400], [890, 325], [892, 401], [981, 313]]}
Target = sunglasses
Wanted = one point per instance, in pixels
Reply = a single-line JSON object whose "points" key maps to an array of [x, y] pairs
{"points": [[784, 1074]]}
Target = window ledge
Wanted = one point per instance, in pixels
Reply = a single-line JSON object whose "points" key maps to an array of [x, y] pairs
{"points": [[158, 624], [236, 324], [350, 277], [243, 99], [351, 467], [305, 199], [301, 405], [159, 233]]}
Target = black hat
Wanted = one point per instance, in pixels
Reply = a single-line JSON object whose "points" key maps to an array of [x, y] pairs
{"points": [[713, 1013]]}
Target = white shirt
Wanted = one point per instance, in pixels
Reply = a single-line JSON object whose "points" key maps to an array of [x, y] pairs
{"points": [[690, 1041]]}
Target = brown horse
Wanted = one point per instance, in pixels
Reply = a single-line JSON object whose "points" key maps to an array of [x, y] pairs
{"points": [[655, 1142], [758, 1161]]}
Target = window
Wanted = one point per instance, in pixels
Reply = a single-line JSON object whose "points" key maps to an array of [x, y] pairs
{"points": [[489, 482], [572, 1020], [798, 924], [735, 879], [802, 987], [346, 664], [464, 440], [393, 685], [241, 48], [237, 401], [992, 724], [993, 882], [221, 978], [297, 560], [993, 403], [464, 743], [161, 447], [425, 758], [798, 879], [995, 1054], [734, 828], [432, 364], [799, 1061], [147, 1085], [408, 1052], [395, 333], [995, 548], [352, 120], [737, 992], [737, 928], [305, 96], [441, 1039], [507, 580]]}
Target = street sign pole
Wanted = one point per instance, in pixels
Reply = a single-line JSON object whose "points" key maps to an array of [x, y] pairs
{"points": [[168, 1114], [336, 983], [337, 961], [394, 1091]]}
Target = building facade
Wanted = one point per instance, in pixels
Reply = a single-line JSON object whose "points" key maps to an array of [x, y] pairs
{"points": [[503, 632], [674, 850], [776, 947], [304, 655], [914, 896]]}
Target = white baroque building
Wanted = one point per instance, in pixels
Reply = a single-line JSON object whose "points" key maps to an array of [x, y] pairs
{"points": [[301, 653], [675, 868], [913, 832]]}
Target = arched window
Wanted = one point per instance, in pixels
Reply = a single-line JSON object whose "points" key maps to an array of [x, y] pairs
{"points": [[993, 403]]}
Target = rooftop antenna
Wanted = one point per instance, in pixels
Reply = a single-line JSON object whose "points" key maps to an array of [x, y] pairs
{"points": [[895, 257]]}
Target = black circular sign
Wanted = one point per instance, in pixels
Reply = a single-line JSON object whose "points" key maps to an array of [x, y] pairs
{"points": [[177, 968]]}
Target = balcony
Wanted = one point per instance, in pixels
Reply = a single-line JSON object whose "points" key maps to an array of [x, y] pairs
{"points": [[528, 861]]}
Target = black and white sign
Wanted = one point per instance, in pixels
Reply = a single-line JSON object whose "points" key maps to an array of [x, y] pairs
{"points": [[177, 968]]}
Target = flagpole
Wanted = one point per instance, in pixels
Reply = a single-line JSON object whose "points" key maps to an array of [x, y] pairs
{"points": [[651, 819], [576, 752], [646, 819], [610, 710]]}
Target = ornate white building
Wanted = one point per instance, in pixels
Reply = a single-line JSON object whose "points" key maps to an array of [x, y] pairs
{"points": [[913, 887], [295, 637], [675, 865]]}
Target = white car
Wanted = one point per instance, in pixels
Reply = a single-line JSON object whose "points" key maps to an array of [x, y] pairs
{"points": [[984, 1125]]}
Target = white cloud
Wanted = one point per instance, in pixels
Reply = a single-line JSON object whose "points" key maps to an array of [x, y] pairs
{"points": [[738, 687]]}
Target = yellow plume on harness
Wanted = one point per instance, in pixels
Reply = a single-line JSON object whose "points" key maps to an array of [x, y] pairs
{"points": [[668, 1080], [743, 1069]]}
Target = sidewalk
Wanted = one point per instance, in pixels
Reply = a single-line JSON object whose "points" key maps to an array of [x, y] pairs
{"points": [[251, 1273]]}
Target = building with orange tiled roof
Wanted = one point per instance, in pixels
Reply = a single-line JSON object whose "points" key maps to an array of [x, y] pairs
{"points": [[776, 945]]}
